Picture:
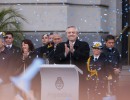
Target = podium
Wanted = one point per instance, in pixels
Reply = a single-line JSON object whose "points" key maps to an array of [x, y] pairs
{"points": [[59, 82]]}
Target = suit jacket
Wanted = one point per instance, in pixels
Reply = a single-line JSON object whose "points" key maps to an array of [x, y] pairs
{"points": [[8, 64], [13, 49], [79, 57]]}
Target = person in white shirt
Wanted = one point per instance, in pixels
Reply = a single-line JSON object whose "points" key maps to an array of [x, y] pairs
{"points": [[9, 38]]}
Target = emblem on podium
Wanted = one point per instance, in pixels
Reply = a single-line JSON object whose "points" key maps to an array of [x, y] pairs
{"points": [[59, 83]]}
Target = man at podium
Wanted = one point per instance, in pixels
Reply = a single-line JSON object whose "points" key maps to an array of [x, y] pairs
{"points": [[74, 52]]}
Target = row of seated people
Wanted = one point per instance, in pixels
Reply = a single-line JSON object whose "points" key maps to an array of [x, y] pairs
{"points": [[15, 60]]}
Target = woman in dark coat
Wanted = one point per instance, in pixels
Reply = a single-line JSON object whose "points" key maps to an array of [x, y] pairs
{"points": [[27, 56]]}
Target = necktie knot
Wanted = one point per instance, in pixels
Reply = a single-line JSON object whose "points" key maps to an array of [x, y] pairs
{"points": [[95, 59], [8, 47]]}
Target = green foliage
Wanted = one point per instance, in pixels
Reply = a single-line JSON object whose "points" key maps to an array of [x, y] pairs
{"points": [[10, 20], [18, 37]]}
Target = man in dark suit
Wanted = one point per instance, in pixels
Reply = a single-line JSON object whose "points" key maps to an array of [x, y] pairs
{"points": [[8, 67], [3, 62], [8, 62], [74, 52], [57, 38], [9, 38]]}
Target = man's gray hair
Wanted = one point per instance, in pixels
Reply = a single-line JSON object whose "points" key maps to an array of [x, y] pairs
{"points": [[59, 34], [73, 27]]}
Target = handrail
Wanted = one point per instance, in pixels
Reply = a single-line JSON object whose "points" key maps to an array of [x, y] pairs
{"points": [[123, 31], [126, 28], [128, 49]]}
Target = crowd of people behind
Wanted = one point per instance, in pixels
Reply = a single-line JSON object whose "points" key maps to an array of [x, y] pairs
{"points": [[98, 68]]}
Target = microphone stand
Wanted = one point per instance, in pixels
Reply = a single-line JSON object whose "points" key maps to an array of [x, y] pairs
{"points": [[70, 59], [70, 56], [46, 57]]}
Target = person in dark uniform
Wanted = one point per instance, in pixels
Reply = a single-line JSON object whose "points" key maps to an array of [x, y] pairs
{"points": [[74, 52], [97, 76], [42, 50], [8, 67], [113, 61], [46, 48]]}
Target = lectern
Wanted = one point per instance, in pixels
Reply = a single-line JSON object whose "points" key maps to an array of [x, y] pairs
{"points": [[60, 82]]}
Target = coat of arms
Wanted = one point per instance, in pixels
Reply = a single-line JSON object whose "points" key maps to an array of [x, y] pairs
{"points": [[59, 83]]}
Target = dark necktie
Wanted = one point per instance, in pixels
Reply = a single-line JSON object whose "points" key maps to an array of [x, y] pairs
{"points": [[8, 47], [95, 59]]}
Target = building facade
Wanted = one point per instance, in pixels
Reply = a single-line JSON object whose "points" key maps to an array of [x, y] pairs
{"points": [[93, 18]]}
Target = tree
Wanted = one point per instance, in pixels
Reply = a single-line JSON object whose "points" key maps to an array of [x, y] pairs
{"points": [[10, 20]]}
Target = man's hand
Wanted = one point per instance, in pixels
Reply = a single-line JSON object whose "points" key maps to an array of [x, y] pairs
{"points": [[66, 49], [71, 47]]}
